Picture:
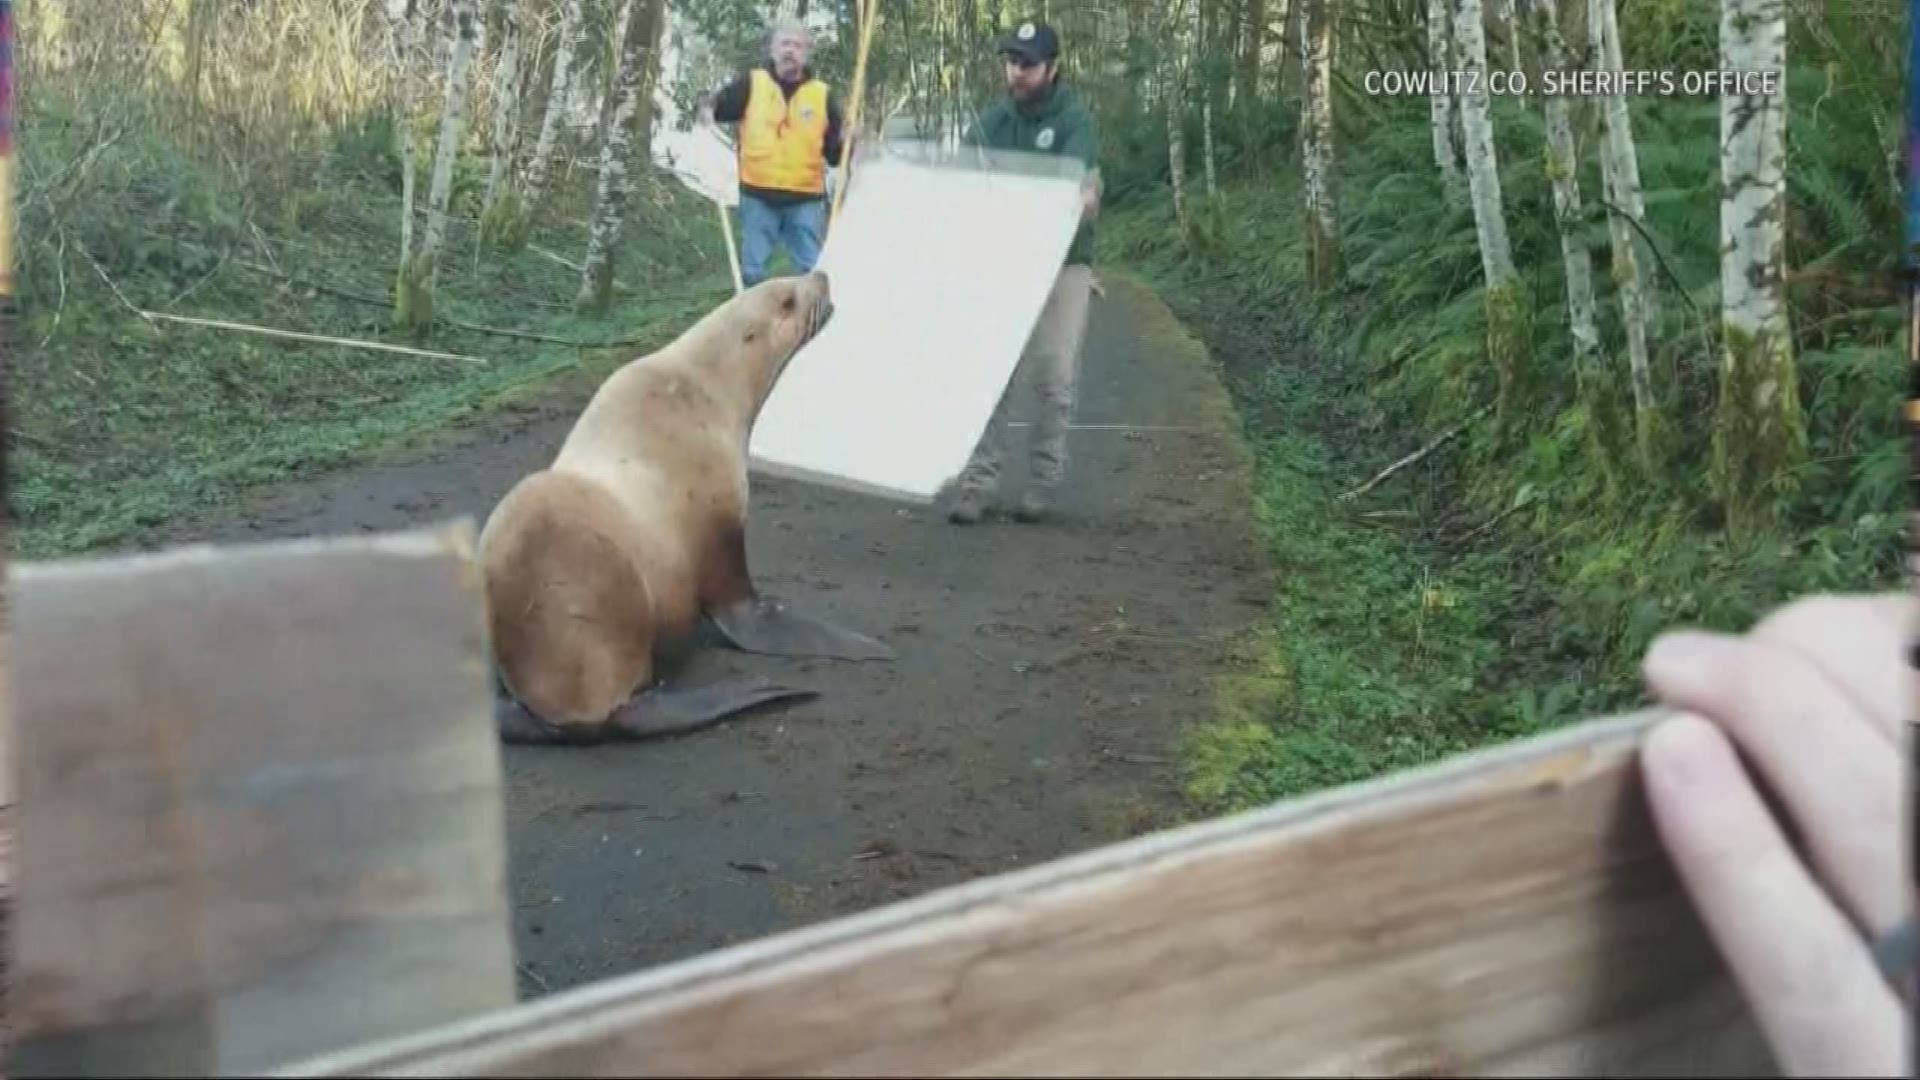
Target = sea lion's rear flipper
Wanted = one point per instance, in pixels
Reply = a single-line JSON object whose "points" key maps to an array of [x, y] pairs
{"points": [[520, 727], [761, 624], [647, 714], [663, 712]]}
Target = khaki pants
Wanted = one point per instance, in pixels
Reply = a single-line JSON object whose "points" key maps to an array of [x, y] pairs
{"points": [[1051, 365]]}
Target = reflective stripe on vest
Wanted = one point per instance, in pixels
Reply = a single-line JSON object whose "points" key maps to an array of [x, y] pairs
{"points": [[782, 141]]}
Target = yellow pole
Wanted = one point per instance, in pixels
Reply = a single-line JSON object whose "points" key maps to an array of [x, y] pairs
{"points": [[868, 12]]}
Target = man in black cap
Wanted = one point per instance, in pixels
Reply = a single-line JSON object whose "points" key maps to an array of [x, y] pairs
{"points": [[1040, 114]]}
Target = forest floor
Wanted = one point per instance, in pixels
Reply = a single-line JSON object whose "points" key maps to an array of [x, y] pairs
{"points": [[1046, 673]]}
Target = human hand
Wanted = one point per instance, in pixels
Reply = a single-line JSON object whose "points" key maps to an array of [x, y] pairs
{"points": [[1820, 699]]}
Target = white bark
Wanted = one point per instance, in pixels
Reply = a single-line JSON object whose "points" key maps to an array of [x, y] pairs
{"points": [[1510, 21], [1759, 435], [404, 33], [572, 29], [1206, 140], [1443, 104], [1176, 107], [1620, 176], [1621, 156], [506, 100], [1483, 168], [1563, 166], [1316, 135], [462, 30], [1753, 177], [616, 137]]}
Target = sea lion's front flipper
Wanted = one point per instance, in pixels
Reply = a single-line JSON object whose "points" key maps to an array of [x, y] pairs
{"points": [[760, 624], [658, 711]]}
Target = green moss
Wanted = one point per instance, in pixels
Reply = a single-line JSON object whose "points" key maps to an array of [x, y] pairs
{"points": [[1759, 435]]}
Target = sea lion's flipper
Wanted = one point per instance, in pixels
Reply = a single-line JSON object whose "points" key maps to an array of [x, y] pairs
{"points": [[760, 624], [647, 714], [520, 727], [663, 712]]}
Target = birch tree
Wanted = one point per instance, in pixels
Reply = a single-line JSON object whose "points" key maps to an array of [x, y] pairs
{"points": [[414, 300], [1620, 183], [1252, 28], [1563, 168], [573, 27], [403, 30], [639, 20], [1176, 106], [1758, 435], [1443, 103], [501, 206], [1316, 142], [1506, 304]]}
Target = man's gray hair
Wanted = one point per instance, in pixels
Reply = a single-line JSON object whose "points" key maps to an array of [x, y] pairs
{"points": [[787, 24]]}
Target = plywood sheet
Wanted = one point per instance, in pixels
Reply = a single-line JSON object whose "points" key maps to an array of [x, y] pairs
{"points": [[1507, 913], [700, 159], [259, 804], [941, 264]]}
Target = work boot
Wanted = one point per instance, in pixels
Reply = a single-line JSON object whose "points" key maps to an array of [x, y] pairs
{"points": [[967, 506], [1034, 505]]}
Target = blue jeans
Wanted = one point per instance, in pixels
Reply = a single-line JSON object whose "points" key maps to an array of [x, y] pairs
{"points": [[763, 226]]}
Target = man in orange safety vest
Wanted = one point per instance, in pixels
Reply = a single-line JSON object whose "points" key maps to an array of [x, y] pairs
{"points": [[789, 133]]}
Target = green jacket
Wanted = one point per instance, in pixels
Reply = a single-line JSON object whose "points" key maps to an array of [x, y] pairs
{"points": [[1058, 123]]}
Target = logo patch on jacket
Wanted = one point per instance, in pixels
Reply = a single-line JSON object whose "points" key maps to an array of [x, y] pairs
{"points": [[1044, 140]]}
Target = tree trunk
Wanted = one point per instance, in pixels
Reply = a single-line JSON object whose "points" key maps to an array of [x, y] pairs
{"points": [[1254, 14], [1563, 167], [461, 25], [1620, 183], [1316, 142], [1621, 173], [1758, 437], [405, 39], [573, 28], [1508, 336], [643, 115], [1207, 18], [500, 207], [1443, 103], [415, 299], [1510, 24], [616, 139], [1206, 144], [1176, 104]]}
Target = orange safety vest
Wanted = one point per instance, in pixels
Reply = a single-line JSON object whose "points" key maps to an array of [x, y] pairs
{"points": [[781, 140]]}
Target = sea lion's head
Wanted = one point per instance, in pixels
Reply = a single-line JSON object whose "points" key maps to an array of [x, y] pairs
{"points": [[778, 317]]}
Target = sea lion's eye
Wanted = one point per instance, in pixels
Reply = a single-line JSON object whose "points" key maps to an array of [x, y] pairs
{"points": [[787, 304]]}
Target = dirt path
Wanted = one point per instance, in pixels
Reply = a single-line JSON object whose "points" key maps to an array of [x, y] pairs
{"points": [[1044, 674]]}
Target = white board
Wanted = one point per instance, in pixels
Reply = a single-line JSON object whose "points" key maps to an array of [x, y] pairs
{"points": [[941, 264], [700, 159]]}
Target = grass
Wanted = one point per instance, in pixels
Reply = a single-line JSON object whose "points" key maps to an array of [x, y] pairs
{"points": [[122, 423], [1510, 582]]}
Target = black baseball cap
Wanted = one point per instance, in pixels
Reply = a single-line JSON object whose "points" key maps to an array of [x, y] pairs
{"points": [[1032, 40]]}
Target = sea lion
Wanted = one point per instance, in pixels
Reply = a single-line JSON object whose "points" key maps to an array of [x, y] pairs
{"points": [[613, 553]]}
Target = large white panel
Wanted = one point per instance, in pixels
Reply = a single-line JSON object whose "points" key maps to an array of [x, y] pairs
{"points": [[941, 263]]}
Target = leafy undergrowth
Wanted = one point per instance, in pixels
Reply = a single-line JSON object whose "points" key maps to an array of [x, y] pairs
{"points": [[121, 423], [1510, 582]]}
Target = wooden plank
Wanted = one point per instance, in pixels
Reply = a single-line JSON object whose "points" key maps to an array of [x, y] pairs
{"points": [[259, 804], [892, 395], [1509, 912]]}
